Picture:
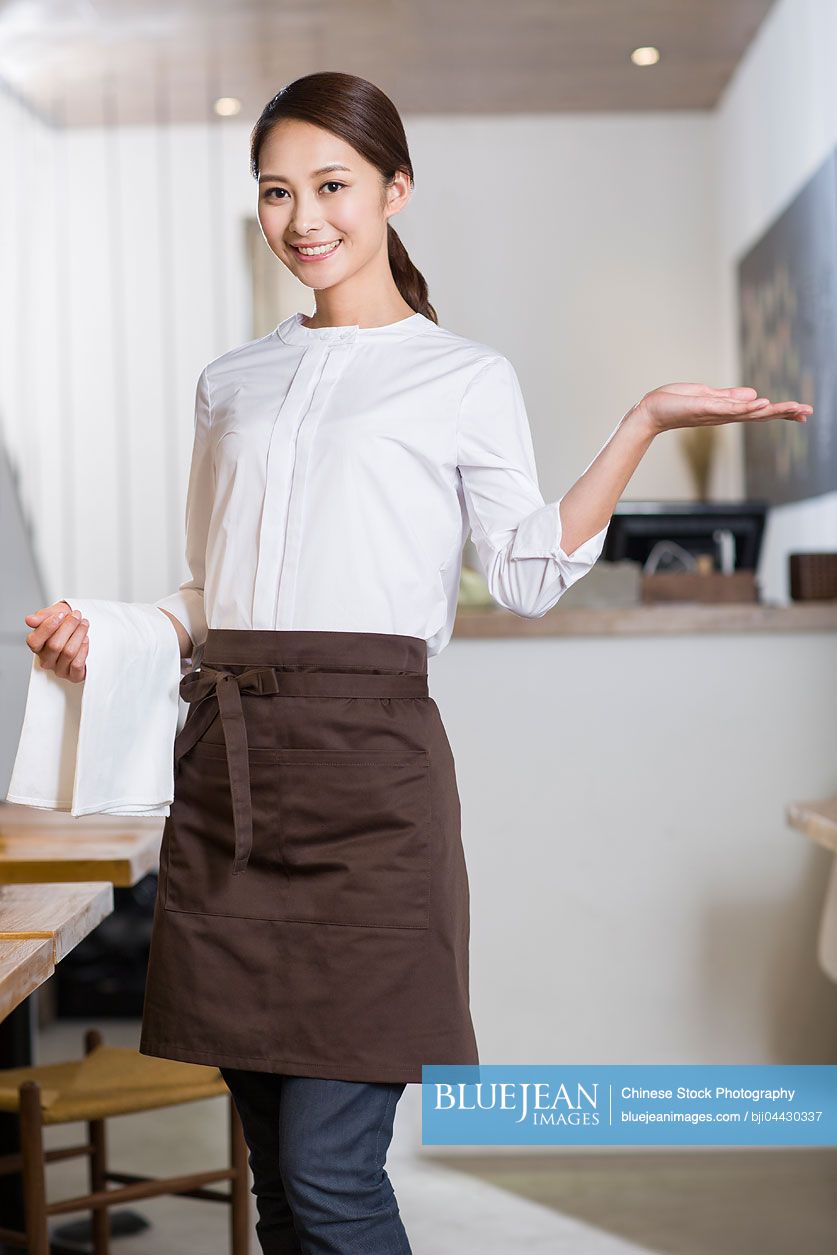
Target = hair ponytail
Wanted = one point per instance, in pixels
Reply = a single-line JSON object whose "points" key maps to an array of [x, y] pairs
{"points": [[365, 117], [409, 280]]}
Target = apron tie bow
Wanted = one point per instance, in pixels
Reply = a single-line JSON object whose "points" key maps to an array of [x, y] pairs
{"points": [[227, 687]]}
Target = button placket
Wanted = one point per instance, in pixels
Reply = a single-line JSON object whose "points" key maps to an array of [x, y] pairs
{"points": [[279, 470], [337, 358]]}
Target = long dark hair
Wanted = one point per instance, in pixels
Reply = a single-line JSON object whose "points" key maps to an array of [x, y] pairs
{"points": [[365, 117]]}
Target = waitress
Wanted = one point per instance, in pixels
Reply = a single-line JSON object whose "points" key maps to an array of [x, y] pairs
{"points": [[312, 918]]}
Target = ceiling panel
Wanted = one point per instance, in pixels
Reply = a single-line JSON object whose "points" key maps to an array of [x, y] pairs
{"points": [[84, 62]]}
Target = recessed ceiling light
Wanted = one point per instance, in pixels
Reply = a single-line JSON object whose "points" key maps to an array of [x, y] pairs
{"points": [[227, 106], [645, 56]]}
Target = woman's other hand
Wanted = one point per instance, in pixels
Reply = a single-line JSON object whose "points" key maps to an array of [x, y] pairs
{"points": [[697, 405], [59, 638]]}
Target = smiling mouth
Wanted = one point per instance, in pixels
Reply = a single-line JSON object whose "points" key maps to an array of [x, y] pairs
{"points": [[318, 250]]}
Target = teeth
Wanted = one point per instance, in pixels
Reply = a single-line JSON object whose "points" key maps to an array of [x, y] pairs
{"points": [[321, 248]]}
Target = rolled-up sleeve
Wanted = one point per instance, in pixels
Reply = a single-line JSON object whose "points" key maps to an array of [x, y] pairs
{"points": [[187, 604], [516, 534]]}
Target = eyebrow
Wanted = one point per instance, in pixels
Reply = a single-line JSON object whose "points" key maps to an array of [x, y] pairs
{"points": [[280, 178]]}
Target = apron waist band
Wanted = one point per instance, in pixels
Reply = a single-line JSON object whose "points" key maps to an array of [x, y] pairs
{"points": [[199, 687], [322, 650]]}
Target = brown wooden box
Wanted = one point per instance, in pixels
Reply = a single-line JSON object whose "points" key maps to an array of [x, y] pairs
{"points": [[813, 576], [715, 587]]}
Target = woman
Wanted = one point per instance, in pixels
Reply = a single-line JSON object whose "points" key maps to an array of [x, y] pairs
{"points": [[311, 926]]}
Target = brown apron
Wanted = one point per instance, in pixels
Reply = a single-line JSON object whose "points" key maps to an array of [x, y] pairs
{"points": [[312, 912]]}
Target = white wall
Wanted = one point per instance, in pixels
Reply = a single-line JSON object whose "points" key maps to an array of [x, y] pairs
{"points": [[131, 275]]}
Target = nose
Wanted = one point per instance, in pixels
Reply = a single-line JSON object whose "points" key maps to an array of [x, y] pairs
{"points": [[304, 218]]}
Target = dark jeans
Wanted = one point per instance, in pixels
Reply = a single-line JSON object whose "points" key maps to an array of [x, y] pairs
{"points": [[317, 1152]]}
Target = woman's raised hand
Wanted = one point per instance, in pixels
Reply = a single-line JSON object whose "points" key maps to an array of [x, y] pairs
{"points": [[697, 405], [60, 640]]}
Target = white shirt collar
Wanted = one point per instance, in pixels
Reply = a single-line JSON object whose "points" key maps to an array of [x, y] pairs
{"points": [[293, 331]]}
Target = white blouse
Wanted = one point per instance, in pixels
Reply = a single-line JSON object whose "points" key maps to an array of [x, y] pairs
{"points": [[337, 472]]}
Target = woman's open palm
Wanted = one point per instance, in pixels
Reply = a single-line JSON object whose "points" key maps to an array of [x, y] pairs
{"points": [[698, 405]]}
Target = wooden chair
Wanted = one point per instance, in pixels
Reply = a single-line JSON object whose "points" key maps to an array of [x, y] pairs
{"points": [[111, 1081]]}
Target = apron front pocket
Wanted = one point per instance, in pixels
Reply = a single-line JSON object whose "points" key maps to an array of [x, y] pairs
{"points": [[200, 837], [355, 834], [339, 837]]}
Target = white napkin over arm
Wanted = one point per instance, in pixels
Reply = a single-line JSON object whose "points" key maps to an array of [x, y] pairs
{"points": [[105, 744]]}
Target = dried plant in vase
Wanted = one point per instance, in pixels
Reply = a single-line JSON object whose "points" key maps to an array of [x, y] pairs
{"points": [[699, 445]]}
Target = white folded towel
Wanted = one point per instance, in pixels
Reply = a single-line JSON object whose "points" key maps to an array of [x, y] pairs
{"points": [[105, 744]]}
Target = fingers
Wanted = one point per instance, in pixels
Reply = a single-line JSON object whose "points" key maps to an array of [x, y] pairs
{"points": [[71, 661], [34, 620], [738, 399], [733, 405], [78, 668], [58, 640], [46, 625], [794, 416], [785, 409], [704, 390], [762, 406]]}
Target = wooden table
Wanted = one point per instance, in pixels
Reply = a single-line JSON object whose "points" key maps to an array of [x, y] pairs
{"points": [[57, 875], [39, 924], [24, 965], [60, 913], [38, 845]]}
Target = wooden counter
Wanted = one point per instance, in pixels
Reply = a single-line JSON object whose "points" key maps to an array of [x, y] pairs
{"points": [[648, 620]]}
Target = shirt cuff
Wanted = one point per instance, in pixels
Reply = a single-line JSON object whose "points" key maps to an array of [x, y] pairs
{"points": [[539, 536], [187, 605]]}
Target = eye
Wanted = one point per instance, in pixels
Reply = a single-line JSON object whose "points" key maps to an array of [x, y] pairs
{"points": [[330, 183]]}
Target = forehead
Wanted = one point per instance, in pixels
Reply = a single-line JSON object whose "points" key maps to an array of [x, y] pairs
{"points": [[295, 149]]}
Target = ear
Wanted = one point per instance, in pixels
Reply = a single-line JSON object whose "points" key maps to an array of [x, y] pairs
{"points": [[398, 192]]}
